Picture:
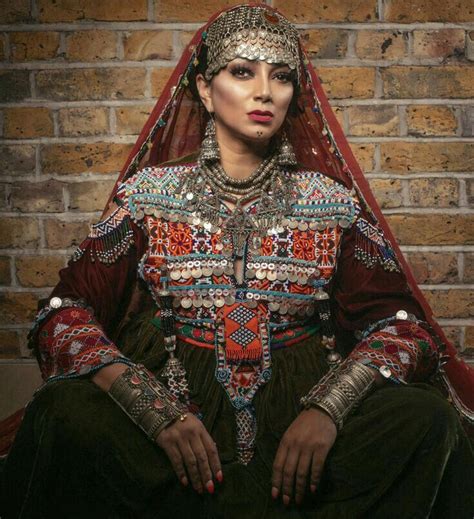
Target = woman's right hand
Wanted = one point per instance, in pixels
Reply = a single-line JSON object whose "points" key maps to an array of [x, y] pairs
{"points": [[191, 450]]}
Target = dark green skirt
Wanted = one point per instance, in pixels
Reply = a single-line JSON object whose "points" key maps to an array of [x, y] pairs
{"points": [[402, 454]]}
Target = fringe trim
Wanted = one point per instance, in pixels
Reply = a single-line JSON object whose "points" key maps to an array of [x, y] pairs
{"points": [[108, 240], [372, 248]]}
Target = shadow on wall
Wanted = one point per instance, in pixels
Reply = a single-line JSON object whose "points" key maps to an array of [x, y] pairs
{"points": [[17, 385]]}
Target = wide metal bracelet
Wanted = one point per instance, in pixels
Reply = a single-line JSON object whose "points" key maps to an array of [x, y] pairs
{"points": [[145, 400], [340, 390]]}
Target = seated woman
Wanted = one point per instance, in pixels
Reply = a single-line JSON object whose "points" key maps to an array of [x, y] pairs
{"points": [[238, 337]]}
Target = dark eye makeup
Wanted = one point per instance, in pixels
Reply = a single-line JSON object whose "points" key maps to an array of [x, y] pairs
{"points": [[243, 71]]}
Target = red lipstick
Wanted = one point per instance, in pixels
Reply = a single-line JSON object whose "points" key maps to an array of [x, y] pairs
{"points": [[260, 116]]}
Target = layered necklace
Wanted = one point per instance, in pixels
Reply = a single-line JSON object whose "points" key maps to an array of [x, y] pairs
{"points": [[206, 191]]}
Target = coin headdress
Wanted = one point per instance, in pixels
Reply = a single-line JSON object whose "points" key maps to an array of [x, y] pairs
{"points": [[256, 34]]}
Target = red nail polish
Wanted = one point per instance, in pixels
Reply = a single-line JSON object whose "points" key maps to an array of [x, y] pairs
{"points": [[313, 488], [286, 500], [210, 487], [274, 492], [220, 476], [184, 481]]}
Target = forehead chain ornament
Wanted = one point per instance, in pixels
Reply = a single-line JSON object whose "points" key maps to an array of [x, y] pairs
{"points": [[254, 33]]}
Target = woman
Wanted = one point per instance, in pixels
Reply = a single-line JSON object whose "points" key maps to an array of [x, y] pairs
{"points": [[266, 266]]}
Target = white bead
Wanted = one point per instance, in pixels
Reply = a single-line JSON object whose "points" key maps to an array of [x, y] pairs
{"points": [[55, 302], [402, 315]]}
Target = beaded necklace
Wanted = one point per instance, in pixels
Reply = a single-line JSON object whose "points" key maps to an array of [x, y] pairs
{"points": [[267, 184]]}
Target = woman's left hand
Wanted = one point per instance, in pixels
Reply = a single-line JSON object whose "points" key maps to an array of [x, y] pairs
{"points": [[302, 453]]}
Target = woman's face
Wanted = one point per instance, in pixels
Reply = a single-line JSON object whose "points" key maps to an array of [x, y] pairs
{"points": [[249, 99]]}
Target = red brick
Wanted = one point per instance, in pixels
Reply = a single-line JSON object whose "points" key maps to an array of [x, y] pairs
{"points": [[431, 120], [348, 82], [451, 304], [387, 192], [17, 307], [9, 344], [469, 342], [94, 45], [64, 235], [5, 274], [432, 229], [31, 46], [453, 334], [405, 157], [438, 44], [38, 271], [308, 11], [143, 45], [428, 82], [51, 11], [188, 11], [428, 11], [89, 196], [91, 84], [434, 267], [380, 45], [467, 117], [131, 119], [19, 233], [99, 157], [27, 123], [83, 121], [373, 120], [46, 197], [18, 11], [14, 85], [17, 160], [325, 43]]}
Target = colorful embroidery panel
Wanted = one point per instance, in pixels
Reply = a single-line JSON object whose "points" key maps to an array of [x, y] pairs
{"points": [[72, 344], [406, 348]]}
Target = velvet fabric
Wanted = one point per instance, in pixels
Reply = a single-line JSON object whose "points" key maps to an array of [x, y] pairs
{"points": [[403, 454]]}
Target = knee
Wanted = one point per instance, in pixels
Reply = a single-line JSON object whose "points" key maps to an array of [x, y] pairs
{"points": [[69, 408], [433, 413]]}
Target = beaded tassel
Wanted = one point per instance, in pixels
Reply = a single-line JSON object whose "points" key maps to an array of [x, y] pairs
{"points": [[327, 329], [173, 371]]}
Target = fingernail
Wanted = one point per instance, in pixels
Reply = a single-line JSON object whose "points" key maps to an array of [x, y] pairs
{"points": [[220, 476], [274, 492], [286, 500], [184, 481], [313, 488], [210, 487], [199, 490]]}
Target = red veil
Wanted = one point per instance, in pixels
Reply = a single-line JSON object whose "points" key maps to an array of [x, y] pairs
{"points": [[175, 129]]}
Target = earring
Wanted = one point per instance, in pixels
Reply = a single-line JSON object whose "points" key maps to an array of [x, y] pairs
{"points": [[286, 153], [209, 147]]}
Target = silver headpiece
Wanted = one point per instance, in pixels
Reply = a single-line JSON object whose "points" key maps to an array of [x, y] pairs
{"points": [[254, 33]]}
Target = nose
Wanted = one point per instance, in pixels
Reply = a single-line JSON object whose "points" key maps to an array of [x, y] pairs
{"points": [[263, 88]]}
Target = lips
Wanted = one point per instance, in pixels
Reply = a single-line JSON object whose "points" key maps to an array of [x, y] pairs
{"points": [[260, 116]]}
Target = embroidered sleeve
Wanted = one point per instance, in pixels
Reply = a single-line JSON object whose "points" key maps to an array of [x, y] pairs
{"points": [[73, 344], [403, 348], [369, 293], [77, 339]]}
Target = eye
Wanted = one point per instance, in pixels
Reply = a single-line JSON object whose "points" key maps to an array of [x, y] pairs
{"points": [[283, 76], [241, 72]]}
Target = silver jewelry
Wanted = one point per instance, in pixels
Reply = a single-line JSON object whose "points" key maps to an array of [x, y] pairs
{"points": [[209, 147], [145, 401], [341, 390], [256, 33]]}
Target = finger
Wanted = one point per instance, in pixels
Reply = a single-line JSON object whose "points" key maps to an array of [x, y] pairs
{"points": [[277, 475], [316, 471], [289, 471], [203, 464], [176, 459], [191, 464], [212, 455], [304, 464]]}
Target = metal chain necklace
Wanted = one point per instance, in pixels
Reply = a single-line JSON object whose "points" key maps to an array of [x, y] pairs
{"points": [[206, 190]]}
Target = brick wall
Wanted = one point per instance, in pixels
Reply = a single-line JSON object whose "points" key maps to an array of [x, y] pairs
{"points": [[80, 76]]}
